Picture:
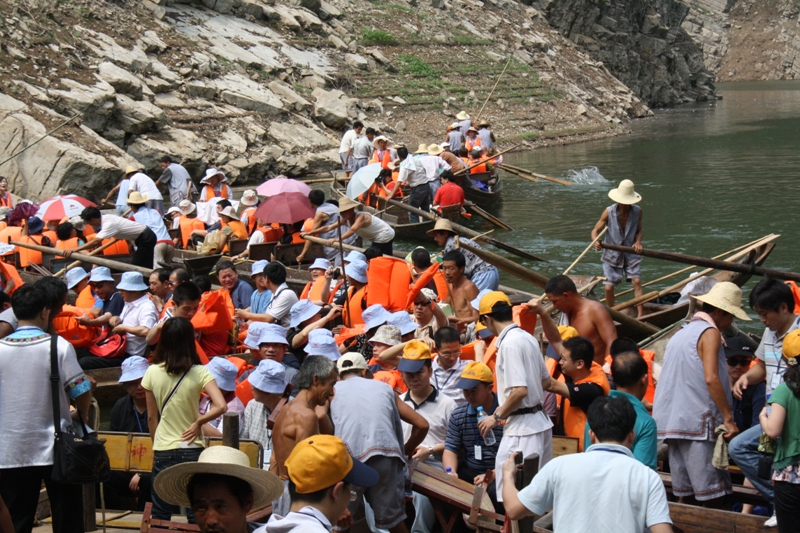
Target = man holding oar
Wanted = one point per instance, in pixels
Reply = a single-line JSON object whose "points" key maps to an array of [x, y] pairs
{"points": [[624, 221]]}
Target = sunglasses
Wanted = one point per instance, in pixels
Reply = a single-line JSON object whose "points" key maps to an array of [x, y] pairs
{"points": [[739, 361]]}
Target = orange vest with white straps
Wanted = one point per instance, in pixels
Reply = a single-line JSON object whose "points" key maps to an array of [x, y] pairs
{"points": [[574, 417]]}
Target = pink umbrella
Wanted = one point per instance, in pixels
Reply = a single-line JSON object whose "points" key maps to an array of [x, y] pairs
{"points": [[64, 206], [282, 185], [285, 208]]}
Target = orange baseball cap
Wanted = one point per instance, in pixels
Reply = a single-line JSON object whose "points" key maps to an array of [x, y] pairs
{"points": [[321, 461], [474, 373], [415, 353]]}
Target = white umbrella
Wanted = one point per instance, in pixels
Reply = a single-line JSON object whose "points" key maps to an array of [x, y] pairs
{"points": [[362, 180]]}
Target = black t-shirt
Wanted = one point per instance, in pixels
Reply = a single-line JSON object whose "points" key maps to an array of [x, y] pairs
{"points": [[299, 352], [125, 417], [114, 304], [584, 394]]}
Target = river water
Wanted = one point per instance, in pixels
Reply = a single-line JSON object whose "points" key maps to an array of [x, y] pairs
{"points": [[713, 176]]}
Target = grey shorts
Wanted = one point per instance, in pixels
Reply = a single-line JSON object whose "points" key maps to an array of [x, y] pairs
{"points": [[692, 473], [387, 498], [343, 158], [356, 164], [614, 276]]}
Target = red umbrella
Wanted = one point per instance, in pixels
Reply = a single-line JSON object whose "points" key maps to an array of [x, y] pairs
{"points": [[65, 206], [285, 208]]}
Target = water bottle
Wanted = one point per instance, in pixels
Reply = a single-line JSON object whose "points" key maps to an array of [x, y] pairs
{"points": [[489, 439], [769, 406], [448, 470]]}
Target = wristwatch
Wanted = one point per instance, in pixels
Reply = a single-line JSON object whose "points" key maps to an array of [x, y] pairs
{"points": [[497, 418]]}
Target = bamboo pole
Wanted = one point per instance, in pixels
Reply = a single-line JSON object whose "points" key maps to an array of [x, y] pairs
{"points": [[749, 246], [639, 300], [710, 263], [116, 265], [344, 277], [519, 174], [468, 232], [493, 89], [482, 161], [540, 281], [536, 175], [96, 251], [586, 251], [488, 216]]}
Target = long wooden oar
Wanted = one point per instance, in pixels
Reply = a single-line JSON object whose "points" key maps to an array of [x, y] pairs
{"points": [[488, 216], [469, 233], [540, 281], [591, 244], [519, 174], [96, 251], [493, 88], [757, 242], [710, 263], [85, 258], [536, 175], [484, 160]]}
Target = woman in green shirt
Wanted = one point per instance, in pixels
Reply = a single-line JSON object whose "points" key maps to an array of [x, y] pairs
{"points": [[173, 385], [783, 424]]}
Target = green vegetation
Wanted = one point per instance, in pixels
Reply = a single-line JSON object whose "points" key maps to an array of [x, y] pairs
{"points": [[416, 66], [370, 37], [468, 39], [528, 136]]}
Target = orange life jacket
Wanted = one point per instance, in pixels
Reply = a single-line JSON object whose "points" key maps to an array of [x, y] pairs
{"points": [[214, 314], [86, 299], [28, 256], [469, 143], [393, 378], [244, 391], [10, 273], [272, 233], [441, 286], [349, 333], [69, 243], [187, 226], [118, 248], [574, 417], [6, 200], [297, 239], [384, 158], [524, 319], [169, 305], [468, 351], [368, 197], [351, 312], [391, 187], [796, 293], [649, 356], [66, 325], [313, 289], [422, 281], [250, 212], [50, 234], [490, 360], [239, 232], [388, 279], [479, 169], [209, 193]]}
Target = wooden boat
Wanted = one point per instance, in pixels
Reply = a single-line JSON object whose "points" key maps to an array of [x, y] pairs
{"points": [[480, 197]]}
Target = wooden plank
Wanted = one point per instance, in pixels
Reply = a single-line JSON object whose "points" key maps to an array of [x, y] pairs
{"points": [[564, 446], [436, 484], [695, 519], [261, 251], [237, 246]]}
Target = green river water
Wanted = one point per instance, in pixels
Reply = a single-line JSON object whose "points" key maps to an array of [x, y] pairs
{"points": [[713, 176]]}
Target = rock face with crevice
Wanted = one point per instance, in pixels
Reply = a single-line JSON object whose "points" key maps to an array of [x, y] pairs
{"points": [[641, 42]]}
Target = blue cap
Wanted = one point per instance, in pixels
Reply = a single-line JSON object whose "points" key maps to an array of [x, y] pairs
{"points": [[133, 368], [132, 281], [272, 333], [100, 274], [268, 376], [320, 263], [403, 321], [321, 342], [357, 270], [258, 267], [355, 256]]}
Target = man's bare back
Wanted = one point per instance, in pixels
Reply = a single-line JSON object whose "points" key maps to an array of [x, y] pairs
{"points": [[296, 421], [593, 321]]}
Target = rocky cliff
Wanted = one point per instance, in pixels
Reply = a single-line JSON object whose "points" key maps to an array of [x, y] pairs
{"points": [[641, 42], [257, 88]]}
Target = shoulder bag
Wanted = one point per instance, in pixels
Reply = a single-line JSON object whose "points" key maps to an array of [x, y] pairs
{"points": [[76, 460]]}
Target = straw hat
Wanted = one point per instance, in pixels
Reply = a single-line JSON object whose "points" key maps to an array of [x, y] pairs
{"points": [[130, 169], [187, 207], [434, 149], [249, 198], [379, 138], [423, 149], [727, 297], [472, 128], [229, 212], [483, 122], [137, 198], [442, 224], [624, 194], [346, 204], [211, 172], [462, 115], [171, 483]]}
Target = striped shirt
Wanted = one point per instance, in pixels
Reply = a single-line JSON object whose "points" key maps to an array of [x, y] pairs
{"points": [[463, 434], [771, 352]]}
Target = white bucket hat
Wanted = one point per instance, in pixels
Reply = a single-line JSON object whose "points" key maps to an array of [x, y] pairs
{"points": [[132, 281], [272, 333], [357, 270], [725, 296], [133, 368], [100, 274], [249, 198], [320, 263], [254, 334], [624, 194], [75, 276], [353, 255], [462, 115], [301, 311], [186, 207], [224, 373], [375, 315], [211, 172], [258, 267], [321, 342], [78, 222], [229, 212], [173, 209], [269, 376], [403, 322]]}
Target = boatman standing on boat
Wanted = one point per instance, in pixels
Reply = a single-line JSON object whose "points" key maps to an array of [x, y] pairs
{"points": [[482, 274], [624, 222], [366, 226]]}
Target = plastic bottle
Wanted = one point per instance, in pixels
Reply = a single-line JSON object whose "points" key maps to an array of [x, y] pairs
{"points": [[448, 470], [769, 407], [489, 439]]}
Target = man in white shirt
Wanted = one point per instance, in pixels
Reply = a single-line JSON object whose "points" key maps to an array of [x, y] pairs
{"points": [[413, 173], [164, 250], [177, 179], [114, 227], [362, 150], [141, 182], [448, 364], [346, 147], [434, 165], [624, 494], [283, 298]]}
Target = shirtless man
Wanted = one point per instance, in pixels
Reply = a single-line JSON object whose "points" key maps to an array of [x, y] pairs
{"points": [[590, 318], [461, 291], [304, 416]]}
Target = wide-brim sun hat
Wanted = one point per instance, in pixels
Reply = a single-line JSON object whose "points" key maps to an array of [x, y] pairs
{"points": [[229, 212], [624, 194], [725, 296], [249, 198], [75, 276], [422, 149], [434, 149], [133, 368], [346, 204], [171, 484], [137, 198], [483, 123], [380, 138], [301, 311], [132, 281], [187, 207], [472, 128], [442, 224], [462, 115], [320, 263], [99, 274], [130, 169], [173, 209], [211, 172]]}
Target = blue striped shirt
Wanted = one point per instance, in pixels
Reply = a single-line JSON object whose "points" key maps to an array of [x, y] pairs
{"points": [[463, 434]]}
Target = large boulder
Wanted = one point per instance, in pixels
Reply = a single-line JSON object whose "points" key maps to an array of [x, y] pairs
{"points": [[121, 80], [245, 93], [293, 137], [332, 108], [181, 145], [289, 97], [95, 104], [137, 117]]}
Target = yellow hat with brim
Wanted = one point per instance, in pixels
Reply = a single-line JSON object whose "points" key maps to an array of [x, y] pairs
{"points": [[568, 332], [442, 224], [473, 374], [171, 484], [137, 198], [415, 353], [321, 461], [725, 296], [434, 149], [791, 347], [130, 169], [493, 302]]}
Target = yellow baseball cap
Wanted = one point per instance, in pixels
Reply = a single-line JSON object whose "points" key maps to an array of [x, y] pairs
{"points": [[493, 301], [415, 353], [473, 374], [791, 346], [321, 461], [568, 332]]}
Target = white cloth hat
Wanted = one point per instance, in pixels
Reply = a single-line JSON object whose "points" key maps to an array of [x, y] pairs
{"points": [[75, 276], [375, 315], [224, 373], [726, 296], [254, 334], [174, 209], [269, 376], [624, 194], [210, 172], [101, 274], [403, 321], [249, 198], [229, 212], [133, 368], [357, 270], [132, 281], [301, 311], [258, 267], [321, 342], [78, 222], [320, 263], [272, 333], [353, 255], [187, 207], [462, 115]]}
